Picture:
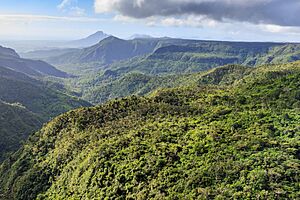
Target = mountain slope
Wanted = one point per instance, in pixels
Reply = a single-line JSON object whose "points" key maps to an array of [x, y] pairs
{"points": [[240, 141], [10, 59], [16, 123], [136, 83], [16, 87], [28, 104]]}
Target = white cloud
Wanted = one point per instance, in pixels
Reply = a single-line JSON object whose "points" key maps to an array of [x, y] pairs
{"points": [[122, 18], [188, 20], [76, 11], [191, 20], [70, 7], [280, 29], [274, 28], [65, 3], [103, 6]]}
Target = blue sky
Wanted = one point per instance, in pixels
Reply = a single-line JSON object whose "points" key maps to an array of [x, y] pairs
{"points": [[71, 19]]}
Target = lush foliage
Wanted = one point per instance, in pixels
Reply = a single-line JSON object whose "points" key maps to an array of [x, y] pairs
{"points": [[136, 83], [35, 95], [239, 141], [26, 103], [16, 122]]}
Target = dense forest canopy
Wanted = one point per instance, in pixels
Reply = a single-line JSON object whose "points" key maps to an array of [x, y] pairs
{"points": [[234, 140]]}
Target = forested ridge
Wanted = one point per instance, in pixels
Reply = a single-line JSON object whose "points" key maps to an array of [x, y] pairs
{"points": [[25, 104], [231, 134]]}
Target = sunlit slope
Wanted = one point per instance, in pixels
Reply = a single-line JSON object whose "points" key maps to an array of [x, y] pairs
{"points": [[238, 140]]}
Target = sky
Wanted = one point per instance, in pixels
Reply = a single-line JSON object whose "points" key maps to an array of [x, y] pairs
{"points": [[235, 20]]}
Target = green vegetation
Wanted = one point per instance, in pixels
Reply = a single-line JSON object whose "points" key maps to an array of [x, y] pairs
{"points": [[233, 134], [36, 96], [116, 68], [25, 104], [139, 84], [16, 122]]}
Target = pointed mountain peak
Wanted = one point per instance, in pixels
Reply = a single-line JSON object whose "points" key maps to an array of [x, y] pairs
{"points": [[98, 34], [111, 39], [90, 40]]}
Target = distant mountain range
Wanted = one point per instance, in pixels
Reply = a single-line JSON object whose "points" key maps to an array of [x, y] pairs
{"points": [[116, 68], [88, 41], [10, 59], [199, 55]]}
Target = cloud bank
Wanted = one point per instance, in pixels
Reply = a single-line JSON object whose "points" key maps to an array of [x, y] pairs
{"points": [[276, 12]]}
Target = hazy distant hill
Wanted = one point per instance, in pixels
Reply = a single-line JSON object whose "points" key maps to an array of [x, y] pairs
{"points": [[107, 51], [10, 59], [212, 141], [44, 54]]}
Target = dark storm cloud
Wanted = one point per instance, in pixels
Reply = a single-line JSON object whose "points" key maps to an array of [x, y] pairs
{"points": [[279, 12]]}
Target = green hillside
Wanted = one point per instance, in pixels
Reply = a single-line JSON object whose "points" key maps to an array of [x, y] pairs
{"points": [[16, 87], [222, 141], [16, 122], [28, 104], [136, 83]]}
